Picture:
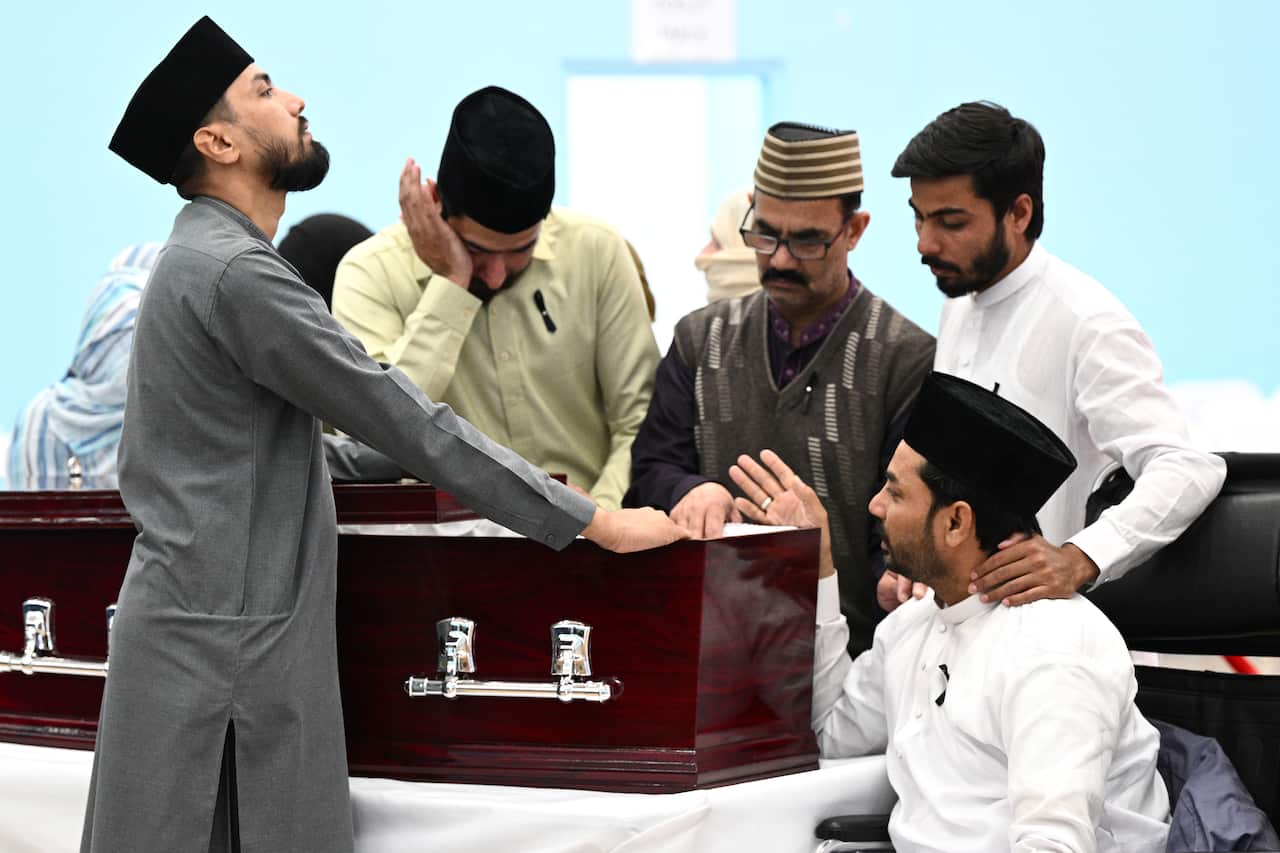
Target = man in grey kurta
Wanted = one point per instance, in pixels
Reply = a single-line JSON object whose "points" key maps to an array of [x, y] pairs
{"points": [[225, 631]]}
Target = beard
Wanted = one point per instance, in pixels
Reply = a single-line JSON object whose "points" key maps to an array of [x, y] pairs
{"points": [[296, 174], [986, 267], [917, 560], [482, 291], [291, 171]]}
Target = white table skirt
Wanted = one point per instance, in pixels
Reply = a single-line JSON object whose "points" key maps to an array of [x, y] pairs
{"points": [[42, 797]]}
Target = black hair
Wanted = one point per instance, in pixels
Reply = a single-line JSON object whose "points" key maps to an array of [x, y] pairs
{"points": [[1003, 155], [993, 523], [849, 204], [190, 167]]}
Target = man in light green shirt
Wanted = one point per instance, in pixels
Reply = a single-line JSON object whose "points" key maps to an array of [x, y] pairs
{"points": [[530, 322]]}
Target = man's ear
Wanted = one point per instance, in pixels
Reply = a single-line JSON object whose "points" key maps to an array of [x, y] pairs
{"points": [[213, 142], [857, 227], [1019, 213], [960, 524]]}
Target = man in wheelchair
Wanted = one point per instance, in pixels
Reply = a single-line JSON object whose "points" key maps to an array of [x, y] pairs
{"points": [[1004, 727]]}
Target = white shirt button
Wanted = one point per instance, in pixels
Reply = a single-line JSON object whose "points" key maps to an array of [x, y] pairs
{"points": [[942, 629]]}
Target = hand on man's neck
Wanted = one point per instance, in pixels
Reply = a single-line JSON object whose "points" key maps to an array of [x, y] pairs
{"points": [[955, 587]]}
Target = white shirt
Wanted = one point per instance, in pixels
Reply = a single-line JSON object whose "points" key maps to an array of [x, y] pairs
{"points": [[1037, 744], [1063, 348]]}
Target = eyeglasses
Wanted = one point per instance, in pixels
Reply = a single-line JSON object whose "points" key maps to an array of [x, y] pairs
{"points": [[807, 249]]}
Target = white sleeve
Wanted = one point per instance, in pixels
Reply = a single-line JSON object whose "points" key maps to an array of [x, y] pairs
{"points": [[848, 696], [1132, 418], [1060, 718]]}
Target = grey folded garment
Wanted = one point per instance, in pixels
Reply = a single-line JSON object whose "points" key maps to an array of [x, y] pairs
{"points": [[352, 462]]}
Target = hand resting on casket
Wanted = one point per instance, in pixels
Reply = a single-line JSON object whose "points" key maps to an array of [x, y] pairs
{"points": [[704, 510], [627, 530]]}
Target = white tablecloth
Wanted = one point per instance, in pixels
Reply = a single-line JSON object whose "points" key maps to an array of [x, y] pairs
{"points": [[42, 796]]}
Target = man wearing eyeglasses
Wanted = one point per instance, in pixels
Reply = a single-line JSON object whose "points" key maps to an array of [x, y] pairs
{"points": [[813, 366]]}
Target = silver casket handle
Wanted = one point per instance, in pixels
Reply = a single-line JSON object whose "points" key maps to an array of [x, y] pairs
{"points": [[38, 656], [570, 660]]}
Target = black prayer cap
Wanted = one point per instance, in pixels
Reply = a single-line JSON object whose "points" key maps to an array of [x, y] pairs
{"points": [[982, 440], [315, 247], [178, 93], [498, 164]]}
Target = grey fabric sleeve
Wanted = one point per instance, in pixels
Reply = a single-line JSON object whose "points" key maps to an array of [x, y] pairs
{"points": [[353, 462], [281, 336]]}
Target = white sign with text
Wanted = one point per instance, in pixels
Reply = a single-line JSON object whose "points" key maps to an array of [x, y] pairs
{"points": [[683, 30]]}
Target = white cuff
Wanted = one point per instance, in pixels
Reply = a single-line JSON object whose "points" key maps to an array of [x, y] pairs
{"points": [[1105, 546], [829, 599]]}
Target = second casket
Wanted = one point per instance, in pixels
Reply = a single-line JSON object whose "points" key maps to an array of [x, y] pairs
{"points": [[471, 659]]}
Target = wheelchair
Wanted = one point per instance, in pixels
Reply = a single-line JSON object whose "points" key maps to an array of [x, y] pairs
{"points": [[1215, 591]]}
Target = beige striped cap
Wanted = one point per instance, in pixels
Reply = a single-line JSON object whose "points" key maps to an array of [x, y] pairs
{"points": [[799, 161]]}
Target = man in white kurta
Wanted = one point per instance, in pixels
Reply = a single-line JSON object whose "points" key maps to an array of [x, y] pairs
{"points": [[1037, 744], [1056, 342], [1062, 346], [1005, 728]]}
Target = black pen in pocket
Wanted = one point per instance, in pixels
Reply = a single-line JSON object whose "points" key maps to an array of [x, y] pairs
{"points": [[542, 309]]}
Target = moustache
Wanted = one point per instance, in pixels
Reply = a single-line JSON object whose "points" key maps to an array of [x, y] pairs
{"points": [[937, 263], [791, 276], [883, 535]]}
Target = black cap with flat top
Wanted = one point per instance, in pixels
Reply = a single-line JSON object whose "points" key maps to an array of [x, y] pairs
{"points": [[175, 97], [499, 162], [982, 440]]}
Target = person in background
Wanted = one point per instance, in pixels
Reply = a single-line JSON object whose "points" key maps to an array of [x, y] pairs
{"points": [[813, 364], [530, 321], [1059, 344], [315, 246], [69, 431], [727, 262]]}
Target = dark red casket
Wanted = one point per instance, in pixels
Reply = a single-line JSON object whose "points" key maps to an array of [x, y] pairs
{"points": [[710, 643]]}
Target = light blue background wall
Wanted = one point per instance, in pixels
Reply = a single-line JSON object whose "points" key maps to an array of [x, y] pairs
{"points": [[1161, 121]]}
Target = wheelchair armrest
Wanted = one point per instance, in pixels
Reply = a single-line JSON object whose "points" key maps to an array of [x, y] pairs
{"points": [[854, 827]]}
